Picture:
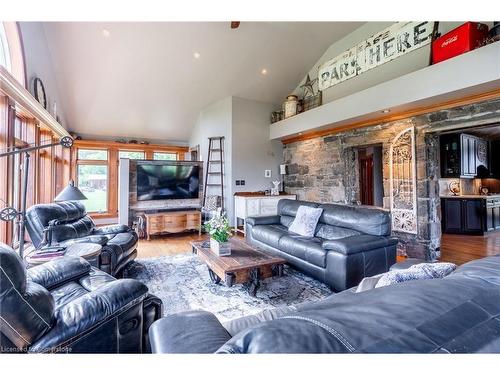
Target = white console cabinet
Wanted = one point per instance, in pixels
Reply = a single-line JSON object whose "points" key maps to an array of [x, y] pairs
{"points": [[251, 204]]}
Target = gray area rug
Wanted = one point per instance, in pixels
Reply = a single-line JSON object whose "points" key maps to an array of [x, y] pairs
{"points": [[183, 283]]}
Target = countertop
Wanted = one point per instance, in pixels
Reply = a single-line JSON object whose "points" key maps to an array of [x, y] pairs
{"points": [[472, 196]]}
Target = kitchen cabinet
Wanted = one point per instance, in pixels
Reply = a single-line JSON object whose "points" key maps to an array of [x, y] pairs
{"points": [[462, 215], [492, 214], [462, 154]]}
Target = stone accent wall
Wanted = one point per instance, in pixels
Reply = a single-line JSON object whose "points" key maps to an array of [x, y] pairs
{"points": [[325, 169]]}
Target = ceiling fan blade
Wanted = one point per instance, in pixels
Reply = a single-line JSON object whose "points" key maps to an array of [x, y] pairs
{"points": [[235, 24]]}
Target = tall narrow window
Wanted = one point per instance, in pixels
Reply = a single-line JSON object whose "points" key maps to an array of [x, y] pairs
{"points": [[92, 179]]}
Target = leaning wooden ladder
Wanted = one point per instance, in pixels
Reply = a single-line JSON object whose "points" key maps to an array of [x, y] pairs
{"points": [[215, 144]]}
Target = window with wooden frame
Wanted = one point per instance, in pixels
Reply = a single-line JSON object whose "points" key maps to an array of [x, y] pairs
{"points": [[164, 156], [93, 179], [96, 162], [24, 123], [133, 155]]}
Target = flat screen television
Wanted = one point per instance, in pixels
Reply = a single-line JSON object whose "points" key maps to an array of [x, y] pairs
{"points": [[167, 181]]}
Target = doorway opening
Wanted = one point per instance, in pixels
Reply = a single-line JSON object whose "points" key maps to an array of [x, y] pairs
{"points": [[371, 186]]}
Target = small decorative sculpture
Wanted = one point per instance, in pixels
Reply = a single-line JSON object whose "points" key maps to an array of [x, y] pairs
{"points": [[276, 189]]}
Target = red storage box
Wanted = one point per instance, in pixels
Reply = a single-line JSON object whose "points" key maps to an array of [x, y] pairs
{"points": [[463, 39]]}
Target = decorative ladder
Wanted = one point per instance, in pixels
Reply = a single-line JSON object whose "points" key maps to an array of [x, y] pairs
{"points": [[213, 142]]}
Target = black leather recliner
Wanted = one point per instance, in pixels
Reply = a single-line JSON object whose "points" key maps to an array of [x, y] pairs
{"points": [[459, 313], [68, 306], [350, 242], [119, 242]]}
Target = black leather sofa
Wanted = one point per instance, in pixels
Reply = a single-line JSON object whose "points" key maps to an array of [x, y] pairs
{"points": [[459, 313], [67, 306], [72, 224], [350, 243]]}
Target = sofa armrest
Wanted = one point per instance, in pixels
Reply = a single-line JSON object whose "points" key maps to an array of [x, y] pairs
{"points": [[358, 244], [188, 332], [263, 220], [82, 315], [111, 229], [59, 271]]}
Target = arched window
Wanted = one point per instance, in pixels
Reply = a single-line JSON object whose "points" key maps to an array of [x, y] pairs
{"points": [[4, 49], [11, 51]]}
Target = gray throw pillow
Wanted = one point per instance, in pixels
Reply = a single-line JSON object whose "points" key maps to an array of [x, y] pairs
{"points": [[417, 272], [305, 221]]}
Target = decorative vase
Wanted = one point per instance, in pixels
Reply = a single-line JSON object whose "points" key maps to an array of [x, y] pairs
{"points": [[220, 248], [291, 105]]}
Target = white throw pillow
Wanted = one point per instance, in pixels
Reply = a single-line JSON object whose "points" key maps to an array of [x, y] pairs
{"points": [[305, 221]]}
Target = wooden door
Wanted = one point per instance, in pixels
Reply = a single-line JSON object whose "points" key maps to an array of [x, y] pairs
{"points": [[366, 180]]}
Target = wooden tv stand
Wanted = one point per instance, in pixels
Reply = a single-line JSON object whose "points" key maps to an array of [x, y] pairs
{"points": [[172, 222]]}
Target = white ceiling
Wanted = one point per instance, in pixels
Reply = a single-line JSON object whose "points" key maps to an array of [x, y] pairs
{"points": [[143, 80]]}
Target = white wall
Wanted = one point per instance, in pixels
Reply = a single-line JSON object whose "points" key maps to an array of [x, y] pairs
{"points": [[213, 121], [403, 65], [39, 64], [248, 150], [253, 152]]}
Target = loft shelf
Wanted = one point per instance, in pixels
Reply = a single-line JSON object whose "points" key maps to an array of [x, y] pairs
{"points": [[473, 76]]}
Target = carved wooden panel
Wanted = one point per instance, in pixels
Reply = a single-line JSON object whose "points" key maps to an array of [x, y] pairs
{"points": [[403, 182]]}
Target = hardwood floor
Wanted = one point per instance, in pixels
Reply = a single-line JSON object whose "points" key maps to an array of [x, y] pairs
{"points": [[171, 244], [460, 249], [455, 248]]}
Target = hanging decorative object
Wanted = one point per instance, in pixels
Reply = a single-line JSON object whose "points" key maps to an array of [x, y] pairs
{"points": [[403, 182]]}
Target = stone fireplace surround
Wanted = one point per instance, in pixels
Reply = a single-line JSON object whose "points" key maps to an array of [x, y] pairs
{"points": [[325, 169]]}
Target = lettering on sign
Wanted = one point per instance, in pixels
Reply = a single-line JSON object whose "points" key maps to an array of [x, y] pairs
{"points": [[391, 43]]}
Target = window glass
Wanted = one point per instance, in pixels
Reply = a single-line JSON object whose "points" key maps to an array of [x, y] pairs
{"points": [[136, 155], [92, 154], [4, 49], [93, 182], [164, 156]]}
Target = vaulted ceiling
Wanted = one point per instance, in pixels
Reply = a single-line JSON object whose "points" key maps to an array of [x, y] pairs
{"points": [[144, 80]]}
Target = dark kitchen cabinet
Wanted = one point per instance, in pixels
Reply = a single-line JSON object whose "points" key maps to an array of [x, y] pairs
{"points": [[492, 214], [463, 215], [462, 154]]}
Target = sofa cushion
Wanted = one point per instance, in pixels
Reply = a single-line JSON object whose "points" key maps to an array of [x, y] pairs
{"points": [[374, 221], [39, 216], [269, 234], [329, 232], [417, 272], [75, 229], [305, 248], [289, 207], [305, 221]]}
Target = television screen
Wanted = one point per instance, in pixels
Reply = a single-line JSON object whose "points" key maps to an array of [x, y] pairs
{"points": [[163, 181]]}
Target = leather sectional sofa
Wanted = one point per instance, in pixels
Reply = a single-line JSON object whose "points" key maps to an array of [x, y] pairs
{"points": [[67, 306], [459, 313], [72, 224], [350, 243]]}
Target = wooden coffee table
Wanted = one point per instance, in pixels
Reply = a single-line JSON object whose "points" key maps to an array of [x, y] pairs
{"points": [[246, 264]]}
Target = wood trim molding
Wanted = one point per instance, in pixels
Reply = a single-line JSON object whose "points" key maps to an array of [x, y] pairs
{"points": [[489, 95], [27, 105], [110, 145]]}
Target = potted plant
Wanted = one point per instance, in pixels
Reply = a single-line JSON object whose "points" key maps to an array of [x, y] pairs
{"points": [[219, 231]]}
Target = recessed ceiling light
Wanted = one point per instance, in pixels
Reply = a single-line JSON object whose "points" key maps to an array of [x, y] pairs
{"points": [[264, 71], [300, 133], [385, 111], [105, 33], [196, 55]]}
